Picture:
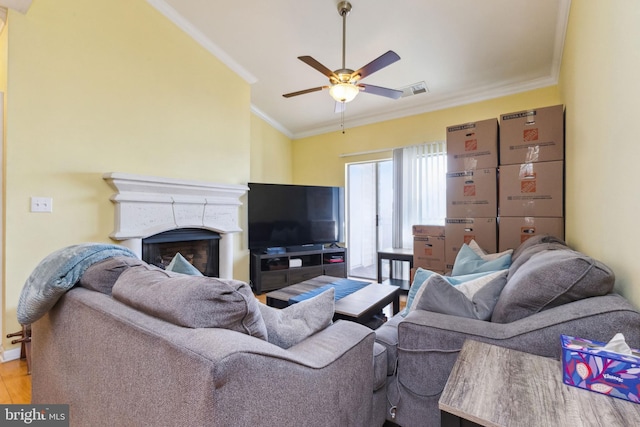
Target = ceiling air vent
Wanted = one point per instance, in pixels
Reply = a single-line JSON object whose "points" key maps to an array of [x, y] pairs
{"points": [[414, 89]]}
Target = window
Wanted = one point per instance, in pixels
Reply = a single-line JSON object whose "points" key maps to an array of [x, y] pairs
{"points": [[419, 182]]}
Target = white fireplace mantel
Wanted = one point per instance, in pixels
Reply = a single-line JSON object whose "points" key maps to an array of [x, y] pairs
{"points": [[147, 205]]}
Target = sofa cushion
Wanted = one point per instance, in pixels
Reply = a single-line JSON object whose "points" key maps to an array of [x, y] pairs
{"points": [[548, 279], [191, 301], [179, 264], [101, 276], [288, 326], [532, 246], [469, 262], [474, 299]]}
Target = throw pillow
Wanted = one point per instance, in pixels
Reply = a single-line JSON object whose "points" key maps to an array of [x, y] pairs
{"points": [[549, 279], [180, 265], [101, 276], [289, 326], [475, 247], [474, 299], [191, 301], [469, 262], [420, 278]]}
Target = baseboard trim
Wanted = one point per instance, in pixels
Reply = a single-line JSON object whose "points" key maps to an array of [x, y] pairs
{"points": [[9, 355]]}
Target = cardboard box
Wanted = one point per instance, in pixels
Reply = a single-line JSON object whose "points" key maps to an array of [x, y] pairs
{"points": [[585, 365], [513, 231], [472, 194], [472, 145], [428, 230], [462, 230], [532, 136], [428, 252], [532, 189]]}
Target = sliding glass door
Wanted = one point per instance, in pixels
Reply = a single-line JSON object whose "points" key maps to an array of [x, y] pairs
{"points": [[369, 210]]}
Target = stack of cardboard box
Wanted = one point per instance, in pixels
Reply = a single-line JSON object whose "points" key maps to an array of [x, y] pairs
{"points": [[428, 248], [531, 175], [500, 191], [472, 187]]}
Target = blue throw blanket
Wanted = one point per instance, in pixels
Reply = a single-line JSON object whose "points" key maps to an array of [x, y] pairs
{"points": [[343, 287], [58, 273]]}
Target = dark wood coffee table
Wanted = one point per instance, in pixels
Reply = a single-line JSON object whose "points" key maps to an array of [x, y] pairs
{"points": [[359, 306]]}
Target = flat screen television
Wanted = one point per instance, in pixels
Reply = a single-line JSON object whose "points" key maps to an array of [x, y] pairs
{"points": [[294, 217]]}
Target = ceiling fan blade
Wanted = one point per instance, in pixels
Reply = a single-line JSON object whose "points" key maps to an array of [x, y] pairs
{"points": [[302, 92], [382, 91], [318, 66], [377, 64]]}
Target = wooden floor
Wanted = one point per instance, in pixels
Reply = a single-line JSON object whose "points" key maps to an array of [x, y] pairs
{"points": [[15, 383]]}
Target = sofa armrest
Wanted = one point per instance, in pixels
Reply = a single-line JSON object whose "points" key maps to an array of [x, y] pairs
{"points": [[387, 336], [596, 318], [428, 343]]}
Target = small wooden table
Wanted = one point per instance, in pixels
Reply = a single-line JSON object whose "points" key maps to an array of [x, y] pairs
{"points": [[495, 386], [392, 254], [359, 306]]}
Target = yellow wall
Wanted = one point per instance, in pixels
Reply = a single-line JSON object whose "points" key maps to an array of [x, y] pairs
{"points": [[601, 89], [108, 86], [270, 153], [317, 160]]}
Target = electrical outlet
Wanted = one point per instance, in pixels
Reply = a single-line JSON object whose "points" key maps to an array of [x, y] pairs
{"points": [[41, 204]]}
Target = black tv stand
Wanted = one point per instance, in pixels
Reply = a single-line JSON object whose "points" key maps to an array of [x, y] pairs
{"points": [[305, 248], [274, 271]]}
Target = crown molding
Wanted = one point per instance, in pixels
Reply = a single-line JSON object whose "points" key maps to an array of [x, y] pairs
{"points": [[170, 13]]}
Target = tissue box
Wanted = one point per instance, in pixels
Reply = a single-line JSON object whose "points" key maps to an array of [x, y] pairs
{"points": [[586, 365]]}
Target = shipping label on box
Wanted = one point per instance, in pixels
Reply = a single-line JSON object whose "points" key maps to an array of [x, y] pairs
{"points": [[585, 364], [532, 189], [472, 145], [428, 230], [513, 231], [428, 252], [532, 136], [462, 230], [472, 194]]}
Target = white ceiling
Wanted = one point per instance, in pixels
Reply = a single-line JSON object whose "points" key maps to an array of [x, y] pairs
{"points": [[464, 50]]}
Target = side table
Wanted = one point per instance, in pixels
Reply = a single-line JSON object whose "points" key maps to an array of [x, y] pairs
{"points": [[496, 386], [393, 254]]}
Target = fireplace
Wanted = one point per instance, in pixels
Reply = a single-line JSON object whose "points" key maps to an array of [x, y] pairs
{"points": [[147, 206], [199, 247]]}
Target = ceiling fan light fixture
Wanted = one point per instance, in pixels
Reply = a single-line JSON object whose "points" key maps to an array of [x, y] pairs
{"points": [[344, 92]]}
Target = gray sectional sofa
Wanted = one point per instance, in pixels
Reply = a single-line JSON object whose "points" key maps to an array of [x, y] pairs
{"points": [[132, 345], [549, 290], [124, 343]]}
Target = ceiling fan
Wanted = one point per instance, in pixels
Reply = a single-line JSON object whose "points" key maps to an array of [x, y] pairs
{"points": [[345, 83]]}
